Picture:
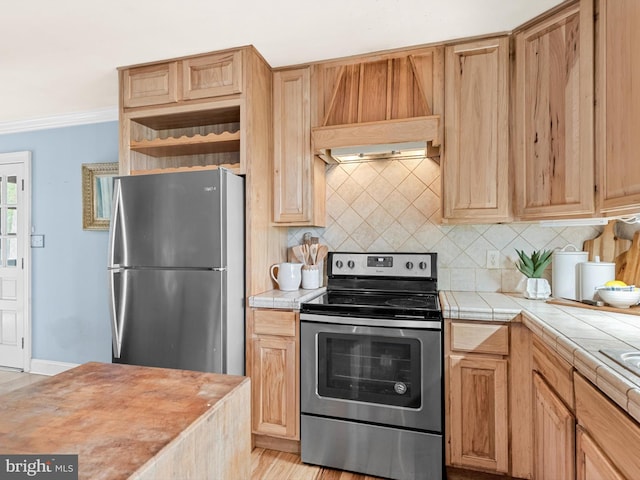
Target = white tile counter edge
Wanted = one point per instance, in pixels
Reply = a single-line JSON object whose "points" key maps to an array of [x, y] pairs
{"points": [[286, 300], [576, 334]]}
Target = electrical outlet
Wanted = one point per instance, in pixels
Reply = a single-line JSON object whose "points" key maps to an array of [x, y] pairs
{"points": [[493, 259]]}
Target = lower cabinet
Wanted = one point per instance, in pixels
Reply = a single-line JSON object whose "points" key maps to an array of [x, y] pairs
{"points": [[477, 406], [553, 415], [591, 462], [608, 438], [273, 354], [478, 410], [553, 433]]}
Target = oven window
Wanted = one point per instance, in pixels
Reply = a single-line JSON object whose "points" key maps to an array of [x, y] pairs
{"points": [[366, 368]]}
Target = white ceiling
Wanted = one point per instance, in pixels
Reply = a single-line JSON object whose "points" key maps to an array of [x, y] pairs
{"points": [[60, 57]]}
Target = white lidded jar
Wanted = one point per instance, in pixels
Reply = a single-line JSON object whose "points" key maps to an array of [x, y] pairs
{"points": [[593, 275], [565, 277]]}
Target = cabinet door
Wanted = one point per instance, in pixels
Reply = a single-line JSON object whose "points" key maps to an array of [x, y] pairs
{"points": [[274, 393], [212, 76], [478, 412], [298, 193], [591, 462], [618, 105], [150, 85], [553, 434], [554, 157], [274, 373], [476, 164]]}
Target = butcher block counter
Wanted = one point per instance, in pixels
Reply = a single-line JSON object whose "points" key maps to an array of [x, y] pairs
{"points": [[130, 422]]}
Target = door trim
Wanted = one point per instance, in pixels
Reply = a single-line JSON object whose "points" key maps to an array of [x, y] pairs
{"points": [[24, 158]]}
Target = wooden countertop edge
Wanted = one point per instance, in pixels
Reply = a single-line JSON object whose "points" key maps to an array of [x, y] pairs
{"points": [[245, 383]]}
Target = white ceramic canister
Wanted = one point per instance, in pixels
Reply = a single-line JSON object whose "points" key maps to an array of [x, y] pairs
{"points": [[593, 275], [565, 278]]}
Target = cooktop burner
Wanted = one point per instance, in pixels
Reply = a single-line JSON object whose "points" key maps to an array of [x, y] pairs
{"points": [[411, 302]]}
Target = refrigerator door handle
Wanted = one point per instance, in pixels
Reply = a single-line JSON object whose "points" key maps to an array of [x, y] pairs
{"points": [[115, 223], [118, 288]]}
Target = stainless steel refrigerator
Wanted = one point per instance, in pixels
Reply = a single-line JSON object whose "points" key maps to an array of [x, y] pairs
{"points": [[176, 271]]}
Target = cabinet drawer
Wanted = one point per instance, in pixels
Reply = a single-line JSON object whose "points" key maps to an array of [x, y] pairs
{"points": [[556, 371], [274, 322], [151, 85], [480, 338], [212, 75]]}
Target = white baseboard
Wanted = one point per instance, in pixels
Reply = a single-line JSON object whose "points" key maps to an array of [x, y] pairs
{"points": [[49, 367]]}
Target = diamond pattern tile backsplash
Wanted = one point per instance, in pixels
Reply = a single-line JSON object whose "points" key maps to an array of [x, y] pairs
{"points": [[394, 206]]}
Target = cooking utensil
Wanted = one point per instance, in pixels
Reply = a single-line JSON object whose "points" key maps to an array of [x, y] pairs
{"points": [[608, 247], [313, 253], [630, 273], [298, 253], [323, 250]]}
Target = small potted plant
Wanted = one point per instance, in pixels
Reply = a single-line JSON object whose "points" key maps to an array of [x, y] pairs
{"points": [[532, 267]]}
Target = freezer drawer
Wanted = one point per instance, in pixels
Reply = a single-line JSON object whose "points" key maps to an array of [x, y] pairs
{"points": [[173, 319]]}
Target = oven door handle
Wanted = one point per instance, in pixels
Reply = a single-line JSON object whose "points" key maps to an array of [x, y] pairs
{"points": [[416, 323]]}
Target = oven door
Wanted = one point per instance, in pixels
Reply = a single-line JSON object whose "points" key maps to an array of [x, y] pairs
{"points": [[384, 375]]}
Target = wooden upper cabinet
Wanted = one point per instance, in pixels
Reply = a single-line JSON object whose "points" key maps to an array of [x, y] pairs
{"points": [[150, 85], [378, 88], [475, 178], [618, 106], [554, 152], [191, 78], [298, 176], [212, 75]]}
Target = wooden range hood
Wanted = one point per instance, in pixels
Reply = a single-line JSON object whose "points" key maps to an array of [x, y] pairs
{"points": [[379, 105]]}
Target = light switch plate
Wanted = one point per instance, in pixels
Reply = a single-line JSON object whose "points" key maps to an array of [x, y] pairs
{"points": [[37, 241]]}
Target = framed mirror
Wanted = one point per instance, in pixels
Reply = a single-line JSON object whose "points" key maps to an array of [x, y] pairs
{"points": [[97, 189]]}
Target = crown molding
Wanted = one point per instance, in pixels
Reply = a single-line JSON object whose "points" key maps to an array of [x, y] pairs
{"points": [[58, 121]]}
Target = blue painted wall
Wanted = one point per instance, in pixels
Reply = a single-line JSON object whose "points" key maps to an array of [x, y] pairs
{"points": [[70, 317]]}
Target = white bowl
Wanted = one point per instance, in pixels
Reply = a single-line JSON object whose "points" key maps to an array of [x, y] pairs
{"points": [[620, 298]]}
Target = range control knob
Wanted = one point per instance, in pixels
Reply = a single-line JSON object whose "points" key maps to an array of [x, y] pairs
{"points": [[409, 265], [422, 265], [350, 264], [339, 263]]}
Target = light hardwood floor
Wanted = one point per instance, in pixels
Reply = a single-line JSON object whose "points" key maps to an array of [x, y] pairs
{"points": [[266, 464]]}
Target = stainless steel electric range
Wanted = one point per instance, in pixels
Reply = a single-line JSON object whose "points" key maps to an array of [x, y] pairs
{"points": [[371, 372]]}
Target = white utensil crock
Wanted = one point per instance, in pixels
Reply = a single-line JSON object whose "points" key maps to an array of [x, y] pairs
{"points": [[594, 274], [288, 275], [565, 278], [310, 277]]}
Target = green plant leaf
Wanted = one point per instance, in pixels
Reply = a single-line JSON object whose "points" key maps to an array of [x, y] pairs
{"points": [[533, 266]]}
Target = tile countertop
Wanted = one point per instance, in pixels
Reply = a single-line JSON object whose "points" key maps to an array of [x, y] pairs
{"points": [[286, 300], [576, 334]]}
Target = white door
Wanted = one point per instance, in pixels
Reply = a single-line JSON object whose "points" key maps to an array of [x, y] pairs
{"points": [[15, 220]]}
